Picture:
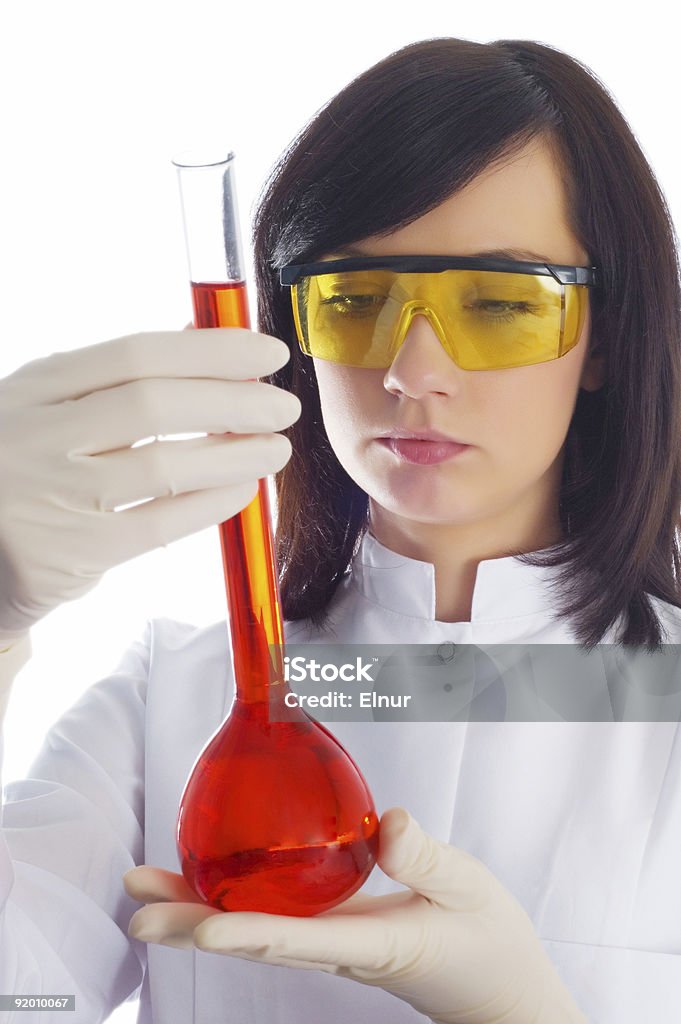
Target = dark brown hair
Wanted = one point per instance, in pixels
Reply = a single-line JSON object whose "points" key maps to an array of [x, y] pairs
{"points": [[395, 143]]}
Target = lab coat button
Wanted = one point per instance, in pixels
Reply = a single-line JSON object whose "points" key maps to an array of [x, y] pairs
{"points": [[446, 651]]}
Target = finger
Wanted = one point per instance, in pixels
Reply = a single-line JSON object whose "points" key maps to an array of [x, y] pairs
{"points": [[335, 941], [169, 924], [442, 873], [300, 965], [154, 524], [152, 885], [362, 904], [224, 353], [118, 417], [167, 468]]}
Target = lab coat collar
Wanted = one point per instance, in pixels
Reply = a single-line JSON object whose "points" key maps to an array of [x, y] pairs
{"points": [[504, 587]]}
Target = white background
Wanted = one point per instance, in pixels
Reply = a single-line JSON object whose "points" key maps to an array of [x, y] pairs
{"points": [[97, 97]]}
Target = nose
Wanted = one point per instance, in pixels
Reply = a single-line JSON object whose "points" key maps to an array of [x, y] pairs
{"points": [[422, 365]]}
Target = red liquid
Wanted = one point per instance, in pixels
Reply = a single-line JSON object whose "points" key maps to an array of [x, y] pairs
{"points": [[251, 881], [275, 816], [220, 305], [281, 818], [246, 538]]}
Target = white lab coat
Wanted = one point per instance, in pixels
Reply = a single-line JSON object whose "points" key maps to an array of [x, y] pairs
{"points": [[582, 822]]}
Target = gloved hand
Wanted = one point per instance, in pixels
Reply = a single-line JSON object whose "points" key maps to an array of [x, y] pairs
{"points": [[67, 424], [456, 945]]}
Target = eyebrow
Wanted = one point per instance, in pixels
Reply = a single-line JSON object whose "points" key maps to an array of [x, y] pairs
{"points": [[511, 254]]}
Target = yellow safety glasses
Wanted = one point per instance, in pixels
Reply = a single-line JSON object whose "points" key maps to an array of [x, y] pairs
{"points": [[489, 314]]}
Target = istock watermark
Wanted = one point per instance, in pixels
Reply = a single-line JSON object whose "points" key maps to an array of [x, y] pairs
{"points": [[300, 669], [452, 682]]}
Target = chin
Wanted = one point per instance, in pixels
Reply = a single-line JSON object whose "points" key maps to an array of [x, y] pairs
{"points": [[418, 509]]}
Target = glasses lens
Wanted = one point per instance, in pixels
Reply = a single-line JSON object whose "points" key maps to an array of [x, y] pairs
{"points": [[498, 320], [485, 319], [349, 317]]}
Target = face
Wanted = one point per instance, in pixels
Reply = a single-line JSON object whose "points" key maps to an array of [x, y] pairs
{"points": [[514, 421]]}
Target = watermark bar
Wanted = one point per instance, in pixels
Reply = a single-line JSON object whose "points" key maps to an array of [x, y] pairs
{"points": [[450, 682], [36, 1001]]}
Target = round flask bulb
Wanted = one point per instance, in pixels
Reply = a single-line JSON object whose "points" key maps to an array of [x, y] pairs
{"points": [[276, 817]]}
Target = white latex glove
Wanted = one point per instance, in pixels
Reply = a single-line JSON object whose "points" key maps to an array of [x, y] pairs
{"points": [[67, 424], [456, 945]]}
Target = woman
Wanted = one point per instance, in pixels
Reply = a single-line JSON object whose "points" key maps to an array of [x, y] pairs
{"points": [[509, 152]]}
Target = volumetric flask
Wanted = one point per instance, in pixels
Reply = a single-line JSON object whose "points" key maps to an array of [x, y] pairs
{"points": [[275, 815]]}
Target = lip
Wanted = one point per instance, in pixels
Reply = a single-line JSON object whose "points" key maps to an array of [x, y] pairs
{"points": [[419, 435], [422, 452]]}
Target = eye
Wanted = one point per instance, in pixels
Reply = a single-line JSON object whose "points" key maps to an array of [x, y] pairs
{"points": [[345, 304], [501, 310]]}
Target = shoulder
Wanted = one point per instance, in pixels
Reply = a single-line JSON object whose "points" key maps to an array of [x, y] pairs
{"points": [[337, 620], [184, 638], [184, 653], [669, 617], [185, 643]]}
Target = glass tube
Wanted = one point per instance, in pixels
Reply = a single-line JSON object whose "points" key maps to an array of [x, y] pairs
{"points": [[211, 224]]}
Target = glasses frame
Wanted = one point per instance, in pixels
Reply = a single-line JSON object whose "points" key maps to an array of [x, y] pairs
{"points": [[564, 274]]}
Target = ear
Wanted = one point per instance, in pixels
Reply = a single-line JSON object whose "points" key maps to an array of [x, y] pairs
{"points": [[595, 369]]}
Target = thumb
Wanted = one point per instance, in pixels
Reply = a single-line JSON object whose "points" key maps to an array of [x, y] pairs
{"points": [[444, 874]]}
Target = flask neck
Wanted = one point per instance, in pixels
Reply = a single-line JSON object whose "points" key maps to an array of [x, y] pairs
{"points": [[219, 298], [255, 622]]}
